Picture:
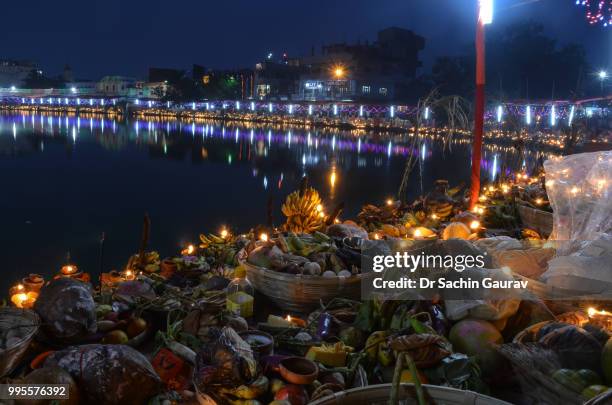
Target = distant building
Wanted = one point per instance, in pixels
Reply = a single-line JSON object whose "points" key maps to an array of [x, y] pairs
{"points": [[377, 72], [15, 73], [115, 86], [276, 80], [149, 90]]}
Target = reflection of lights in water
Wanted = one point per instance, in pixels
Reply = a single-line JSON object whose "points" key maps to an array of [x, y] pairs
{"points": [[223, 132], [361, 111], [334, 142], [423, 151], [237, 135], [389, 147], [114, 126], [102, 124], [310, 109], [359, 145], [553, 116], [333, 178], [392, 111], [335, 109], [90, 124], [193, 129], [494, 168], [252, 106], [269, 137], [289, 139], [280, 180], [137, 126], [270, 107], [265, 182], [14, 131], [165, 146], [309, 140], [238, 105], [251, 136], [290, 108], [229, 158], [74, 134]]}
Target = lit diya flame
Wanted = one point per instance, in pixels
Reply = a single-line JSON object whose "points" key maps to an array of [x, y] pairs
{"points": [[128, 274], [224, 233], [474, 225], [69, 269], [295, 321], [24, 299], [592, 312], [600, 317], [189, 250], [263, 237]]}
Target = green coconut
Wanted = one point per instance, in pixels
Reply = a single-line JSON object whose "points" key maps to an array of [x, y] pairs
{"points": [[475, 337]]}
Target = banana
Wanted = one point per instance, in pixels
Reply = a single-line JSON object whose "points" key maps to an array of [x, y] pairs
{"points": [[372, 344]]}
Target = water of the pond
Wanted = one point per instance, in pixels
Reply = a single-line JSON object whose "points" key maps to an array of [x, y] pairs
{"points": [[67, 180]]}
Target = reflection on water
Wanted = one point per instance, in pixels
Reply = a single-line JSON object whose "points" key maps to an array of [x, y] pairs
{"points": [[67, 179]]}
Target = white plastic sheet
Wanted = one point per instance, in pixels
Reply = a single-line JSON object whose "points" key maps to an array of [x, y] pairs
{"points": [[579, 188], [580, 191]]}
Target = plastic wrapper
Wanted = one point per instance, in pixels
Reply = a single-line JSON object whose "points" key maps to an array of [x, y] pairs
{"points": [[226, 362], [585, 271], [67, 310], [579, 188], [109, 374]]}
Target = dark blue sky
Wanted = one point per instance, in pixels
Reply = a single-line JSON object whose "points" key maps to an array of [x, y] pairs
{"points": [[98, 37]]}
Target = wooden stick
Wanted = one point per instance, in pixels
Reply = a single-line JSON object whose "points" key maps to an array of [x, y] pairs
{"points": [[146, 226]]}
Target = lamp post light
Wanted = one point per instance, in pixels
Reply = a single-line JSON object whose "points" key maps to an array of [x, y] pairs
{"points": [[603, 75], [485, 16]]}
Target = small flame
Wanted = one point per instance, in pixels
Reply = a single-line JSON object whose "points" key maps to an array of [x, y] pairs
{"points": [[417, 233], [224, 233], [593, 311], [389, 201], [474, 225], [263, 237]]}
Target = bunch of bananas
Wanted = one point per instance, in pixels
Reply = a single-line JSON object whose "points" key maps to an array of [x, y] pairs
{"points": [[304, 211], [221, 248], [150, 264]]}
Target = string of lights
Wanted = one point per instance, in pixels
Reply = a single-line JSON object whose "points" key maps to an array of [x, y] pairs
{"points": [[597, 11]]}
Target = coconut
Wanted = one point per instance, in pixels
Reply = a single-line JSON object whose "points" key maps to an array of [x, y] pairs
{"points": [[475, 337], [456, 230]]}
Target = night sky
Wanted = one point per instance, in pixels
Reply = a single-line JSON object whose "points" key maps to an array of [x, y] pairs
{"points": [[99, 37]]}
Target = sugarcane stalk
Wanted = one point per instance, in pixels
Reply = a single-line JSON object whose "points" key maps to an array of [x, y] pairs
{"points": [[397, 374], [415, 377]]}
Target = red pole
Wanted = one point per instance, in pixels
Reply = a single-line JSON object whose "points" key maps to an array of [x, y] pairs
{"points": [[478, 112]]}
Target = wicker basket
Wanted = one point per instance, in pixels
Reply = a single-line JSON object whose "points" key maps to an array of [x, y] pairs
{"points": [[538, 220], [561, 300], [11, 318], [300, 293], [379, 394]]}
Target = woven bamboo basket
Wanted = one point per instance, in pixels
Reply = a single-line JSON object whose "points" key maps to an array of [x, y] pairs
{"points": [[560, 300], [11, 318], [538, 220], [300, 293], [379, 394]]}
